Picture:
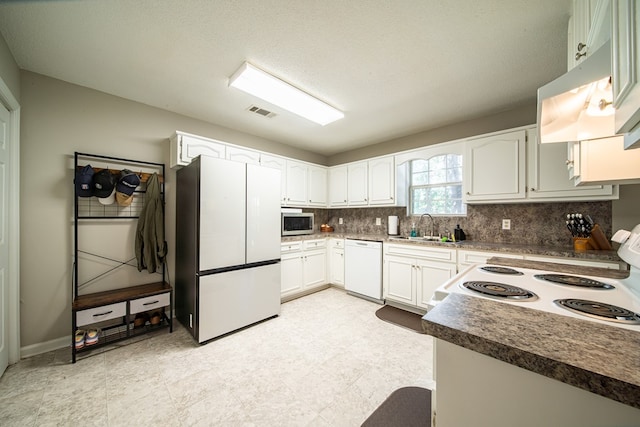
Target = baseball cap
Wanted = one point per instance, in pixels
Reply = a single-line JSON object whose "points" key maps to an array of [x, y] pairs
{"points": [[104, 184], [126, 186], [84, 181]]}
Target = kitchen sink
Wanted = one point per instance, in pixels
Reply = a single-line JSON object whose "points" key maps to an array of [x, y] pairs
{"points": [[427, 238], [434, 239]]}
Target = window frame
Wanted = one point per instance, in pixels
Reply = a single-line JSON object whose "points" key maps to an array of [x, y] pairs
{"points": [[411, 186]]}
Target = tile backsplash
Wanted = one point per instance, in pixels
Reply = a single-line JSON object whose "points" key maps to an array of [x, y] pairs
{"points": [[531, 223]]}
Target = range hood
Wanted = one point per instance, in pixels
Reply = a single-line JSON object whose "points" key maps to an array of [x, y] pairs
{"points": [[577, 105]]}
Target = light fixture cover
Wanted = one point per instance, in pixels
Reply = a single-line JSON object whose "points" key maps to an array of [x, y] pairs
{"points": [[576, 106], [258, 83]]}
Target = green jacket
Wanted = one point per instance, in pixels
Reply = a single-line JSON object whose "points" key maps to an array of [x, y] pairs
{"points": [[151, 248]]}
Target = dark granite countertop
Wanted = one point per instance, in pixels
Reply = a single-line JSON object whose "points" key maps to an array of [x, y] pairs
{"points": [[598, 358], [564, 252]]}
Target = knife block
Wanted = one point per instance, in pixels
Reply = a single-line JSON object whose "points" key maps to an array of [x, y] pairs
{"points": [[581, 244], [598, 240]]}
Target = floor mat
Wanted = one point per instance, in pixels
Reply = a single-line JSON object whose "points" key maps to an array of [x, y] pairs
{"points": [[400, 317], [406, 407]]}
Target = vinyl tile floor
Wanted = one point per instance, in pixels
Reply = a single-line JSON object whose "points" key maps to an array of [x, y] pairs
{"points": [[327, 360]]}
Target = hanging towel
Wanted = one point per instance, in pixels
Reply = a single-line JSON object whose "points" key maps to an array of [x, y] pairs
{"points": [[150, 246]]}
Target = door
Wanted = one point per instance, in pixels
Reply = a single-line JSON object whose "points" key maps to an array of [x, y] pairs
{"points": [[222, 213], [430, 276], [357, 183], [494, 167], [338, 186], [400, 279], [296, 184], [317, 190], [263, 214], [4, 238], [238, 298], [315, 268], [382, 181]]}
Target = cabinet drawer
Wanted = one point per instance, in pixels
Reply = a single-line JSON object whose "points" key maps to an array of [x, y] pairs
{"points": [[315, 244], [337, 243], [424, 252], [287, 247], [98, 314], [149, 303]]}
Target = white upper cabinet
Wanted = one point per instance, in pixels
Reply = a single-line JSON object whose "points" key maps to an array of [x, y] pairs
{"points": [[547, 174], [296, 184], [317, 190], [625, 40], [494, 167], [605, 161], [589, 28], [243, 155], [306, 185], [185, 147], [338, 186], [279, 163], [364, 183], [382, 181], [357, 189]]}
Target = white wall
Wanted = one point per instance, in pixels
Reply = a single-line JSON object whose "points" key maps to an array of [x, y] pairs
{"points": [[58, 119]]}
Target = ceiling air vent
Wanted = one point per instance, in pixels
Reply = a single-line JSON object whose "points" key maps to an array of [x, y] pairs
{"points": [[261, 111]]}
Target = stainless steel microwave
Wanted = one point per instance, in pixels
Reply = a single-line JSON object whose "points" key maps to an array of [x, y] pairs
{"points": [[297, 223]]}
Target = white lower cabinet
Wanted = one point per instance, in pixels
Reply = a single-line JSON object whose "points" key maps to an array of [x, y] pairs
{"points": [[336, 262], [303, 266], [412, 273]]}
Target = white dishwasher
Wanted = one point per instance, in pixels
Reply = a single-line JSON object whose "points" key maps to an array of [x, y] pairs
{"points": [[363, 268]]}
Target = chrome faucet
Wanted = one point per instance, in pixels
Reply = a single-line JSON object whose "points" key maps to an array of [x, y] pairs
{"points": [[420, 221]]}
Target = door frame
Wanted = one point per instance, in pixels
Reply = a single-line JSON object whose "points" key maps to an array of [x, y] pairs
{"points": [[11, 103]]}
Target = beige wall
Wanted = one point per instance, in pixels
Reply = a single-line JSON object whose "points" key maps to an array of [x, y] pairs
{"points": [[59, 118], [520, 116], [9, 71], [626, 210]]}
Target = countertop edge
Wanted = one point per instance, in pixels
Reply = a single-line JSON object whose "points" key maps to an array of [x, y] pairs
{"points": [[507, 248], [570, 373]]}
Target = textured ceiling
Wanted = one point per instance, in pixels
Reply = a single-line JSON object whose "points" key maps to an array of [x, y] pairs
{"points": [[394, 67]]}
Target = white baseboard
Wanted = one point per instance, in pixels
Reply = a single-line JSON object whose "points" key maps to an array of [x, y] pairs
{"points": [[44, 347]]}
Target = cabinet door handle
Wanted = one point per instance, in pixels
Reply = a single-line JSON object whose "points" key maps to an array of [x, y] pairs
{"points": [[569, 162], [468, 193], [152, 302], [533, 189], [581, 46], [103, 314], [580, 55]]}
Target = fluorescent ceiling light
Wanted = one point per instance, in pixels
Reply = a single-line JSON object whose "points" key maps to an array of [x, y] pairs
{"points": [[265, 86]]}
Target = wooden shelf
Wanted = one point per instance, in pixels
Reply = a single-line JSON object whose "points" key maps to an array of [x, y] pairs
{"points": [[83, 302]]}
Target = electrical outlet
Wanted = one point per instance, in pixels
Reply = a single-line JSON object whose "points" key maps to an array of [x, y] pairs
{"points": [[378, 221], [506, 224], [340, 221]]}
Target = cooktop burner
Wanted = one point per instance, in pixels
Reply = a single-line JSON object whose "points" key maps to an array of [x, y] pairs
{"points": [[599, 310], [564, 279], [501, 270], [500, 290]]}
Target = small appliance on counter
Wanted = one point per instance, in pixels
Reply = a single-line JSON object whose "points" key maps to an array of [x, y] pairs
{"points": [[294, 222], [393, 225]]}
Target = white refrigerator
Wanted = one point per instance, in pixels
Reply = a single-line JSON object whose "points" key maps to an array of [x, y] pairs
{"points": [[227, 246]]}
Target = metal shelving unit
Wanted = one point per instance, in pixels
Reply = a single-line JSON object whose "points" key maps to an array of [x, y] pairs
{"points": [[113, 311]]}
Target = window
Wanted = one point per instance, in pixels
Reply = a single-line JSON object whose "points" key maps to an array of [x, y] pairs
{"points": [[436, 186]]}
